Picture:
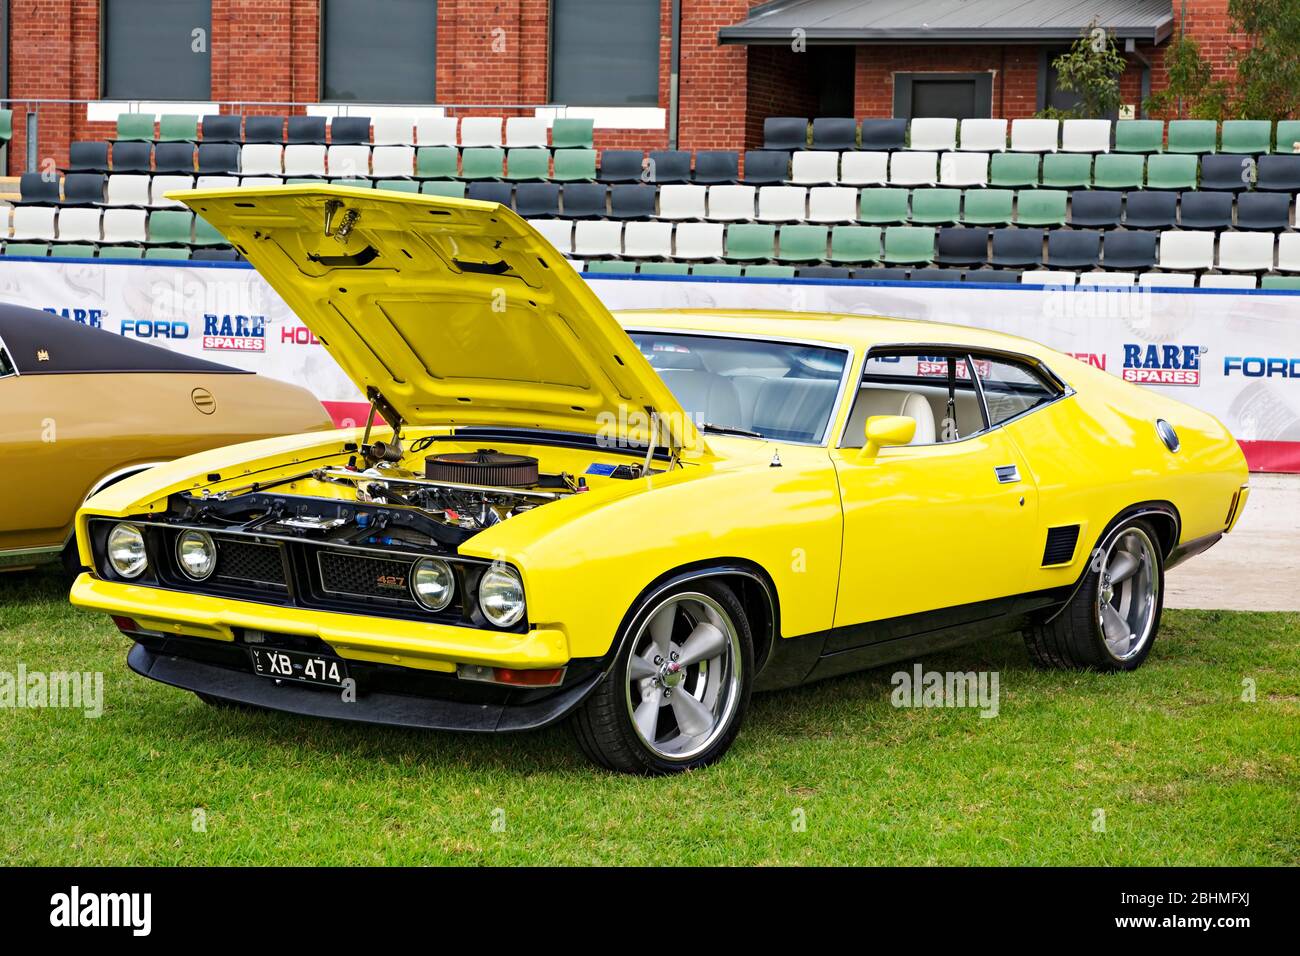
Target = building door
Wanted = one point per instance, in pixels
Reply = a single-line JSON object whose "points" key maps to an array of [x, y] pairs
{"points": [[957, 95]]}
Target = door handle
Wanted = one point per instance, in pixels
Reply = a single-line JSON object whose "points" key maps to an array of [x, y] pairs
{"points": [[1007, 474]]}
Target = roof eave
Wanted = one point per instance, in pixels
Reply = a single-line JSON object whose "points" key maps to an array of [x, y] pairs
{"points": [[740, 34]]}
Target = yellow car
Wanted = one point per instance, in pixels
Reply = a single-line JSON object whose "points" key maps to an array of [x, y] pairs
{"points": [[633, 522]]}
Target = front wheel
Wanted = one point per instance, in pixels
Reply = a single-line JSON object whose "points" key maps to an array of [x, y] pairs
{"points": [[677, 691], [1112, 620]]}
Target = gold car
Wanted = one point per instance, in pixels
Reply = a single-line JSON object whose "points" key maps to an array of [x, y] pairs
{"points": [[635, 521], [82, 408]]}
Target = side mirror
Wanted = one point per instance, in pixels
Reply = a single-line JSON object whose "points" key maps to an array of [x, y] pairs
{"points": [[884, 430]]}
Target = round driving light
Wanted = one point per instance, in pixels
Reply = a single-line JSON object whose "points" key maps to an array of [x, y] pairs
{"points": [[196, 554], [126, 550], [501, 596], [432, 583], [1167, 434]]}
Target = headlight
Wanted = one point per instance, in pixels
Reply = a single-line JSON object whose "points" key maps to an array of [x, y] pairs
{"points": [[432, 583], [501, 595], [126, 550], [196, 554]]}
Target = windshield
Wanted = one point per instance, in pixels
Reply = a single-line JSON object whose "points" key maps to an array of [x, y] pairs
{"points": [[779, 390]]}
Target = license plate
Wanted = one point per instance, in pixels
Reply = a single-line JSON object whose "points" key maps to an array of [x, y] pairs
{"points": [[299, 666]]}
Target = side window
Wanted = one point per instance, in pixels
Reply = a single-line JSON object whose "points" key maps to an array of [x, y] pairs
{"points": [[936, 390], [6, 363], [1012, 388]]}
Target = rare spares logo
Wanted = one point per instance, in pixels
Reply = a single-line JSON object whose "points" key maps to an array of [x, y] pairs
{"points": [[92, 317], [1162, 364], [234, 333]]}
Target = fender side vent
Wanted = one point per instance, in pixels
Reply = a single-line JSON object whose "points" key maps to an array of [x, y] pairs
{"points": [[1060, 544]]}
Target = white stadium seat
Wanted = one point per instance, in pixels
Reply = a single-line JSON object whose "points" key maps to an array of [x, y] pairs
{"points": [[1246, 251], [127, 189], [598, 237], [1085, 136], [867, 168], [234, 182], [1172, 280], [1035, 135], [964, 169], [261, 159], [699, 240], [436, 131], [392, 131], [1288, 252], [933, 134], [812, 168], [161, 185], [480, 131], [393, 161], [124, 225], [558, 232], [304, 159], [913, 169], [832, 204], [1108, 278], [348, 160], [983, 135], [79, 225], [683, 201], [1186, 250], [731, 203], [33, 222], [523, 132], [1049, 277], [782, 203], [648, 240], [1229, 282]]}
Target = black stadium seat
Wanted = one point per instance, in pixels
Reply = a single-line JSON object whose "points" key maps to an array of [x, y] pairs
{"points": [[1095, 208], [1001, 276], [131, 157], [620, 166], [1279, 173], [1205, 210], [264, 129], [1269, 212], [959, 246], [1073, 248], [717, 166], [764, 166], [306, 131], [217, 159], [884, 134], [670, 166], [632, 201], [1150, 210], [83, 189], [1226, 171], [835, 133], [35, 190], [173, 158], [937, 275], [214, 255], [490, 192], [1017, 247], [824, 272], [1130, 249], [88, 157], [785, 132], [223, 128], [537, 200], [584, 201], [350, 131], [881, 274]]}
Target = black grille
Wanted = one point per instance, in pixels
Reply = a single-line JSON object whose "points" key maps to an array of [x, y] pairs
{"points": [[1060, 544], [366, 577], [247, 562]]}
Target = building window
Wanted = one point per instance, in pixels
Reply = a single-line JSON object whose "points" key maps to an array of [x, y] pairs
{"points": [[605, 52], [378, 51], [957, 95], [157, 50]]}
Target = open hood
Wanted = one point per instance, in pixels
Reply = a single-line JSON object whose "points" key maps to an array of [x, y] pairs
{"points": [[452, 311]]}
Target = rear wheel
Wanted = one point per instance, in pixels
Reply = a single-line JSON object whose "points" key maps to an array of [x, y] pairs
{"points": [[677, 691], [1112, 620]]}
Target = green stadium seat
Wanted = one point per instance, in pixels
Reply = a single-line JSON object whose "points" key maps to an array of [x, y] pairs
{"points": [[178, 127], [802, 244], [169, 227], [988, 207], [1112, 171], [1041, 207], [439, 187], [665, 269], [482, 162], [1067, 170], [574, 165], [855, 244], [905, 244], [936, 206], [166, 252], [1288, 136], [1139, 136], [1280, 282], [751, 241], [26, 249], [6, 126], [1247, 136], [74, 250], [120, 252], [528, 164], [882, 205], [1013, 170], [353, 183], [435, 162], [612, 266], [1172, 171], [135, 126], [398, 185], [206, 235], [1193, 136], [769, 272], [572, 133], [726, 269]]}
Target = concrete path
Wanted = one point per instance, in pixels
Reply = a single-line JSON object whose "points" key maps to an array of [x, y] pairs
{"points": [[1257, 567]]}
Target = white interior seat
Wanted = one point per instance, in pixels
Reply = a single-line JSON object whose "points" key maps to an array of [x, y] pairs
{"points": [[706, 394], [789, 409], [873, 401]]}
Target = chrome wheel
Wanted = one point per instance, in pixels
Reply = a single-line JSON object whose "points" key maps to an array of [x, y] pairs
{"points": [[683, 675], [1128, 594]]}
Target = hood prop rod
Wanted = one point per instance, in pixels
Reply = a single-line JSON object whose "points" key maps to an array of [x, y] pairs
{"points": [[391, 450]]}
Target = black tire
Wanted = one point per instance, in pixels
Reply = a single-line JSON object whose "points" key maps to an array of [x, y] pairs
{"points": [[1074, 638], [71, 559], [604, 725]]}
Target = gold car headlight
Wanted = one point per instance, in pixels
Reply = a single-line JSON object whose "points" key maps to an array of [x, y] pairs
{"points": [[126, 554], [501, 595], [432, 583], [196, 554]]}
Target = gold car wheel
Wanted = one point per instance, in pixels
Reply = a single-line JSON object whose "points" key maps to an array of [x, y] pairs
{"points": [[1128, 594], [683, 676]]}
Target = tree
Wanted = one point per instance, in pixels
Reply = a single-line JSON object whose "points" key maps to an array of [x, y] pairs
{"points": [[1192, 91], [1268, 71], [1091, 68]]}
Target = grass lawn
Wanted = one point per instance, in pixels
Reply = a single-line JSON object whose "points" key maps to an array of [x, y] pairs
{"points": [[1184, 770]]}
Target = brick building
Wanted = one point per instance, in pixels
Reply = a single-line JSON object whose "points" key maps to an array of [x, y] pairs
{"points": [[653, 73]]}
